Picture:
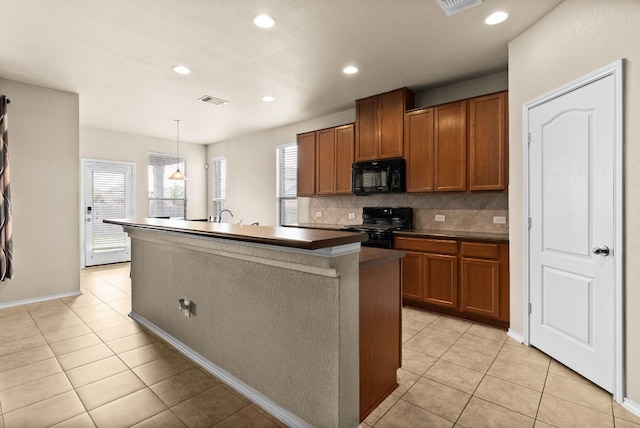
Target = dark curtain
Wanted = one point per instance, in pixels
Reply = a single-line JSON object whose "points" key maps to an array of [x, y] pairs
{"points": [[6, 233]]}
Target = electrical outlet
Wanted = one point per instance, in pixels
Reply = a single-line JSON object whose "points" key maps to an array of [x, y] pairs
{"points": [[318, 214], [498, 219], [352, 216], [440, 217]]}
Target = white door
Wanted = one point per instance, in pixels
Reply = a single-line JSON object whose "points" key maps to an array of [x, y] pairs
{"points": [[572, 237], [108, 194]]}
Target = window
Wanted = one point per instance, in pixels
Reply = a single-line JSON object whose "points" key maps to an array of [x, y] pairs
{"points": [[287, 163], [219, 175], [167, 198]]}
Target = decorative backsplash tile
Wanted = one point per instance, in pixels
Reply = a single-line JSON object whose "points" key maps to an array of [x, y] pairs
{"points": [[472, 212]]}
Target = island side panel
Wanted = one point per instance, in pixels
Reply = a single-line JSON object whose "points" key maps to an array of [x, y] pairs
{"points": [[290, 334]]}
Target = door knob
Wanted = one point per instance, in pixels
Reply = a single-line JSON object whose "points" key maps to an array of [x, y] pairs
{"points": [[601, 251]]}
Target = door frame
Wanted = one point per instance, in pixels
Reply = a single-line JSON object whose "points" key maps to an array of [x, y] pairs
{"points": [[614, 69], [83, 165]]}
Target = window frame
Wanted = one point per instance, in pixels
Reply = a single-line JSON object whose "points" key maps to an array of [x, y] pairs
{"points": [[171, 165], [287, 173], [218, 167]]}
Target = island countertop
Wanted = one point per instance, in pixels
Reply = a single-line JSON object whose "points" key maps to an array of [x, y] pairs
{"points": [[307, 239]]}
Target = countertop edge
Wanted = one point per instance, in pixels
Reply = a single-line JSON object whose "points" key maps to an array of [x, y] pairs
{"points": [[306, 239], [452, 234]]}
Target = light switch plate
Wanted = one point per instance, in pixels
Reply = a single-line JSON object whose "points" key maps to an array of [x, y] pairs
{"points": [[440, 217], [352, 216], [318, 214], [498, 219]]}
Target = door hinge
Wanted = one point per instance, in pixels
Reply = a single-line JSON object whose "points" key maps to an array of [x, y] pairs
{"points": [[529, 222], [529, 139], [529, 308]]}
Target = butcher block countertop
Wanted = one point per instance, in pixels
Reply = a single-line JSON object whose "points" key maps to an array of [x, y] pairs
{"points": [[307, 239]]}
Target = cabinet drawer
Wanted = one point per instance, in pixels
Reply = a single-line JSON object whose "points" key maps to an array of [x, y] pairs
{"points": [[439, 246], [480, 250]]}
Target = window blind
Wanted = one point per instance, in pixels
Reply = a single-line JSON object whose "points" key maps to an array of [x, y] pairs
{"points": [[167, 198], [219, 185], [287, 163], [108, 202]]}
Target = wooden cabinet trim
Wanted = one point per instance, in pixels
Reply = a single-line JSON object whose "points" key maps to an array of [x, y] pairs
{"points": [[439, 246], [479, 249]]}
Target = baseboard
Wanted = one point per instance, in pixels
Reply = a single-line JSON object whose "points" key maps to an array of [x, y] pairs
{"points": [[40, 299], [631, 406], [515, 336], [284, 416]]}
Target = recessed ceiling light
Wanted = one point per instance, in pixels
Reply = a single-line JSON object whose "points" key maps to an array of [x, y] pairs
{"points": [[267, 98], [350, 70], [496, 18], [264, 21], [181, 69]]}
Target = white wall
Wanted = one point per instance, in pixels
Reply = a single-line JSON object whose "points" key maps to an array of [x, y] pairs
{"points": [[118, 146], [251, 168], [43, 151], [577, 37]]}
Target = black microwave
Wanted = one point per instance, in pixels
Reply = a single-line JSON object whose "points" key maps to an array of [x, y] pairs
{"points": [[383, 176]]}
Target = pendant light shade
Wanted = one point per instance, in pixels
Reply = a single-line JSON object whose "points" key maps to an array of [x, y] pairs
{"points": [[178, 175]]}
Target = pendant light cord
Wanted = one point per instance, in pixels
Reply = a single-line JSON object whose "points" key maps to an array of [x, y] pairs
{"points": [[178, 140]]}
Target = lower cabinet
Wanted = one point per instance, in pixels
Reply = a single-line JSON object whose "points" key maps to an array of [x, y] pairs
{"points": [[468, 279]]}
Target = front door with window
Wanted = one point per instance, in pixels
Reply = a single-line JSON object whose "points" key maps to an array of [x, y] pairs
{"points": [[108, 194]]}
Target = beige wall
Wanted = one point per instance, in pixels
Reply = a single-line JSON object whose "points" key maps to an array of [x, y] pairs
{"points": [[118, 146], [251, 167], [578, 37], [43, 150]]}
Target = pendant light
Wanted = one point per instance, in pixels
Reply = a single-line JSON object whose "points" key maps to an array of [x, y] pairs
{"points": [[178, 175]]}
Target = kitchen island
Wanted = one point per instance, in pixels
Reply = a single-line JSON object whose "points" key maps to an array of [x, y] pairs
{"points": [[274, 312]]}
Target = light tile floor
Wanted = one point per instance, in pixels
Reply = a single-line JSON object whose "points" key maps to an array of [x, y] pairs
{"points": [[81, 362]]}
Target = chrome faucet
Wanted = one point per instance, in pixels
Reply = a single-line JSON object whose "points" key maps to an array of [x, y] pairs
{"points": [[220, 215]]}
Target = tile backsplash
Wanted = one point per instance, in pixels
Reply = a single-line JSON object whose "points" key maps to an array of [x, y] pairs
{"points": [[473, 212]]}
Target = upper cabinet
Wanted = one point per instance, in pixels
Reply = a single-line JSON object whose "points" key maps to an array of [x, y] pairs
{"points": [[380, 125], [418, 150], [306, 172], [450, 147], [457, 146], [324, 161], [488, 142], [345, 147], [334, 156]]}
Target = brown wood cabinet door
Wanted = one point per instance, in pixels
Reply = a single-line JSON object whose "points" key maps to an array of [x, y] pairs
{"points": [[412, 275], [418, 150], [325, 161], [367, 131], [488, 142], [306, 164], [391, 106], [345, 141], [450, 147], [480, 286], [441, 280]]}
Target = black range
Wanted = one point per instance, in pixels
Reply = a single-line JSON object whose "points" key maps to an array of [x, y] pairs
{"points": [[380, 222]]}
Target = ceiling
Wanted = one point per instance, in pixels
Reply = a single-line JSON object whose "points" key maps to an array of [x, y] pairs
{"points": [[118, 56]]}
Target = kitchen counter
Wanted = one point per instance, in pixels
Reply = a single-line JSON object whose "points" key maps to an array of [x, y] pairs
{"points": [[302, 238], [273, 312], [454, 234]]}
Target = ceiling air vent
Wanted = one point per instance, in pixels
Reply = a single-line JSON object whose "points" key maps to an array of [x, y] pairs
{"points": [[213, 100], [454, 6]]}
